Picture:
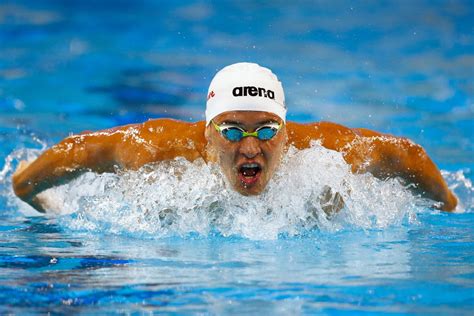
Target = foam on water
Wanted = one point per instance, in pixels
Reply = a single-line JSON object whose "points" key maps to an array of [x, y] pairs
{"points": [[181, 198]]}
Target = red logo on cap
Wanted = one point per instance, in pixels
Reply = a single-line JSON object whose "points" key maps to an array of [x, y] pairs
{"points": [[210, 95]]}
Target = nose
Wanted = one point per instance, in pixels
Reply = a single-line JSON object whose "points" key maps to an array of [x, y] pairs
{"points": [[250, 147]]}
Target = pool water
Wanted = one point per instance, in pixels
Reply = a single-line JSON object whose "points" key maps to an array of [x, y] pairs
{"points": [[125, 244]]}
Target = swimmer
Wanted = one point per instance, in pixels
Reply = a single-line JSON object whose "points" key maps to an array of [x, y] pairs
{"points": [[245, 133]]}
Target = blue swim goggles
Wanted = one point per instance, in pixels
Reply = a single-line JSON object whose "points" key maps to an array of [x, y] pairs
{"points": [[235, 133]]}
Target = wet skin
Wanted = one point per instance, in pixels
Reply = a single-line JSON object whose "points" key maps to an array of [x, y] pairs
{"points": [[233, 157], [132, 146]]}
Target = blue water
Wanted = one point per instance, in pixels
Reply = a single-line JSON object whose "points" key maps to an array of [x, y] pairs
{"points": [[398, 67]]}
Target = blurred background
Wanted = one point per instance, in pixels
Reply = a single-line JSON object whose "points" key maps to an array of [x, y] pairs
{"points": [[401, 67]]}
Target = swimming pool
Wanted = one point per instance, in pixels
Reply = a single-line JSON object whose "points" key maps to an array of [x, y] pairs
{"points": [[398, 68]]}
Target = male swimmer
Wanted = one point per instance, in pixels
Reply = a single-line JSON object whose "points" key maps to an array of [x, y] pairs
{"points": [[245, 132]]}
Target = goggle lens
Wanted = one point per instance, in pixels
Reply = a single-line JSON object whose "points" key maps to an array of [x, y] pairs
{"points": [[233, 134], [266, 133]]}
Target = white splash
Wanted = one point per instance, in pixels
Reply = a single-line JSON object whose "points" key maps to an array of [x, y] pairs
{"points": [[178, 198], [461, 185]]}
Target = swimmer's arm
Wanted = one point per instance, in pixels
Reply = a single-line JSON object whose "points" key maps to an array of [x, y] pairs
{"points": [[61, 163], [127, 147], [388, 156], [384, 156]]}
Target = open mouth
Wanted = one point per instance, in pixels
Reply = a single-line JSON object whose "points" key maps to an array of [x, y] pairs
{"points": [[249, 173]]}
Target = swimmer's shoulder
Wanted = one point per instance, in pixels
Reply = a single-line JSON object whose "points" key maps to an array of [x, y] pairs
{"points": [[169, 125], [331, 135], [134, 145], [175, 138], [155, 130]]}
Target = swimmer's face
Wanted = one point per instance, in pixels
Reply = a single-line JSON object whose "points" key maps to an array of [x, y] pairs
{"points": [[249, 163]]}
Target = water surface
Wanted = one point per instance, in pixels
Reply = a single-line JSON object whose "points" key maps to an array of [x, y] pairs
{"points": [[397, 67]]}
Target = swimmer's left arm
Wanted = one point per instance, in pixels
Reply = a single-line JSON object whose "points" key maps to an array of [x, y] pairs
{"points": [[386, 156]]}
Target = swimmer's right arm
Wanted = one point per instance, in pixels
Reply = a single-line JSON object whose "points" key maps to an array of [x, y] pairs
{"points": [[128, 147], [61, 163]]}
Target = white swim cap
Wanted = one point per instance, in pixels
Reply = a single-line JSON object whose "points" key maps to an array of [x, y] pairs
{"points": [[245, 87]]}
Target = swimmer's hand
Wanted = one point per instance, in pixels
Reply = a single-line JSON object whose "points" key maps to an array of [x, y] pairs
{"points": [[450, 204], [22, 190], [331, 202]]}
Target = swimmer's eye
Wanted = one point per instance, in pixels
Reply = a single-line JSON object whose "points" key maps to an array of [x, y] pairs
{"points": [[232, 133], [268, 131], [235, 133]]}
